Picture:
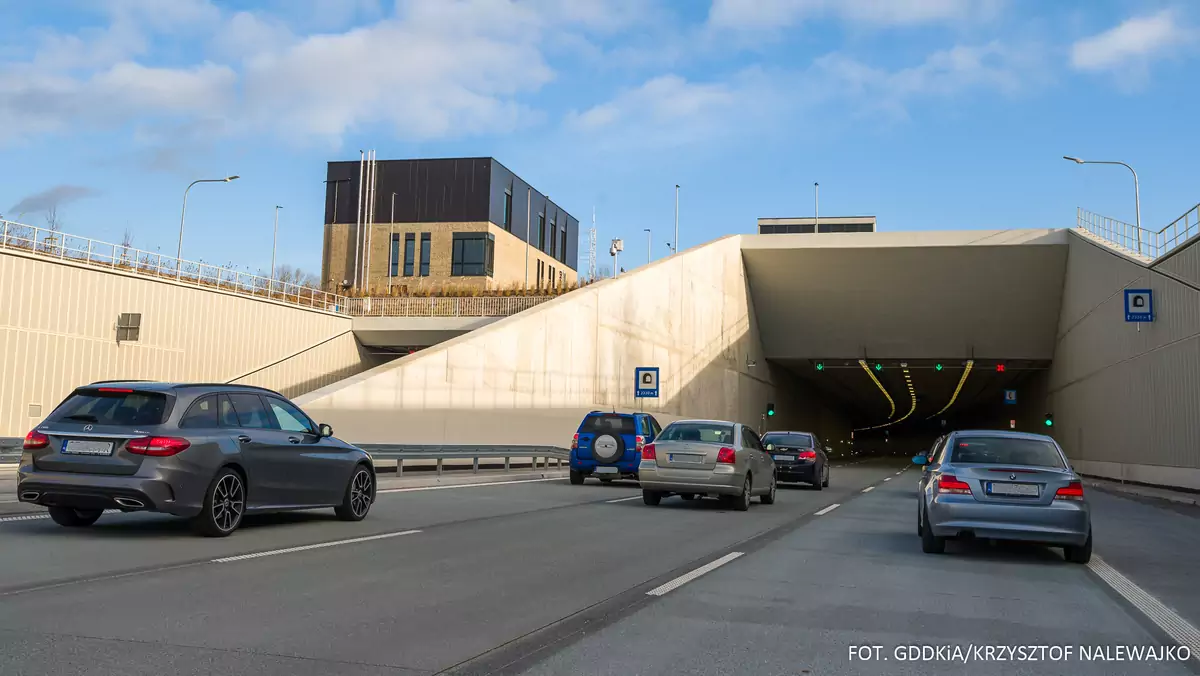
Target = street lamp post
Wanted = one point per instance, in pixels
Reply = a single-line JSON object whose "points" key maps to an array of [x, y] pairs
{"points": [[274, 243], [676, 249], [649, 245], [1137, 199], [816, 206], [183, 217]]}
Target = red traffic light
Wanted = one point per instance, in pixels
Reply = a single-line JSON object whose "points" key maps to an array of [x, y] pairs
{"points": [[999, 368]]}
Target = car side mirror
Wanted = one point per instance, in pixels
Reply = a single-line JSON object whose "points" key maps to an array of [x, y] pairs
{"points": [[325, 430], [770, 447], [920, 460]]}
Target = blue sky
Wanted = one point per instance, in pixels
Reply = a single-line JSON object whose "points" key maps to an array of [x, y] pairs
{"points": [[930, 114]]}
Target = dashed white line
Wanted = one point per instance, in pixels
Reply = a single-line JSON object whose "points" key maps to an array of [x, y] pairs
{"points": [[868, 489], [887, 478], [632, 497], [688, 577], [304, 548], [828, 509], [898, 473], [1166, 619], [478, 485]]}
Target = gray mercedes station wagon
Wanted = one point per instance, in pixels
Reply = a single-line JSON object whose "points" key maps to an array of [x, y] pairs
{"points": [[211, 453]]}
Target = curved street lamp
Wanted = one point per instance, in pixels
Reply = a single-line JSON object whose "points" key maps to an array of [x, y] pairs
{"points": [[183, 216], [1137, 199]]}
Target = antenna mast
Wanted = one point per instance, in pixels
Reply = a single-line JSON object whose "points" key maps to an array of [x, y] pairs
{"points": [[592, 248]]}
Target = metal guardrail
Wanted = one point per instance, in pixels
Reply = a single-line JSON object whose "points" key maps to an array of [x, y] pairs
{"points": [[63, 246], [401, 453], [440, 306], [1151, 243]]}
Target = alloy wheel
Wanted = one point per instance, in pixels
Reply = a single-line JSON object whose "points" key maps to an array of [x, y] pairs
{"points": [[228, 502], [360, 492]]}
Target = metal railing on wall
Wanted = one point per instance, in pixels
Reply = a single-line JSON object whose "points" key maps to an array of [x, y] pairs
{"points": [[1149, 243], [84, 250], [93, 252]]}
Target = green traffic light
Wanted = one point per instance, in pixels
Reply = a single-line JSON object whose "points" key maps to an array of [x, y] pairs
{"points": [[938, 367], [820, 366], [879, 367], [770, 409], [1049, 420]]}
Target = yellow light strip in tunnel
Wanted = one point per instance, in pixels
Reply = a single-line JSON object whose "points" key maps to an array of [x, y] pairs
{"points": [[912, 395], [863, 364], [961, 381]]}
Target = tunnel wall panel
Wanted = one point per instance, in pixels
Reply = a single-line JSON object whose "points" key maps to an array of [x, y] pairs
{"points": [[529, 378], [1125, 400]]}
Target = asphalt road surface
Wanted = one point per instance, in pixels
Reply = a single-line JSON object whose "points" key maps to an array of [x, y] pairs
{"points": [[541, 577]]}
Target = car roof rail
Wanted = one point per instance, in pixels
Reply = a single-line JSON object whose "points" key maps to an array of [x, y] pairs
{"points": [[123, 380]]}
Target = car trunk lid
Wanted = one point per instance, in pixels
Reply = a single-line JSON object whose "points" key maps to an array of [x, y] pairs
{"points": [[90, 431], [1012, 484], [686, 454]]}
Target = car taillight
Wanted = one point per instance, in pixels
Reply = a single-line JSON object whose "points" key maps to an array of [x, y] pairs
{"points": [[157, 447], [575, 443], [648, 452], [35, 440], [640, 441], [1072, 491], [948, 483], [116, 390], [726, 456], [807, 455]]}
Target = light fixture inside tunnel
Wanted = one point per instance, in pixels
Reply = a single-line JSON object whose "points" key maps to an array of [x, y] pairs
{"points": [[961, 381], [863, 364], [912, 396]]}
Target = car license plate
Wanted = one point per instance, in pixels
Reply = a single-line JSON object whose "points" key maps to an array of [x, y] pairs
{"points": [[607, 470], [686, 457], [81, 447], [1023, 490], [789, 458]]}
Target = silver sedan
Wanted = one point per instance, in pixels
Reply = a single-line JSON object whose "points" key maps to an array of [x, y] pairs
{"points": [[700, 458], [1002, 486]]}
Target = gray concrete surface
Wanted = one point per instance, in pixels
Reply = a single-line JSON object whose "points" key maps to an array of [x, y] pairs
{"points": [[541, 577]]}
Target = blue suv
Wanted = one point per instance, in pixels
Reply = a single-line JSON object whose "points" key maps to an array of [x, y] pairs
{"points": [[609, 445]]}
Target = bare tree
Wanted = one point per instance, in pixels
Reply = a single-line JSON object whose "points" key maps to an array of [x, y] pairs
{"points": [[53, 223]]}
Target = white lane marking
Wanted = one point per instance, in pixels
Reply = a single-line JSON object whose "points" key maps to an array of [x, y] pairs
{"points": [[887, 478], [688, 577], [868, 489], [829, 509], [478, 485], [33, 517], [335, 543], [898, 473], [1166, 619], [634, 497]]}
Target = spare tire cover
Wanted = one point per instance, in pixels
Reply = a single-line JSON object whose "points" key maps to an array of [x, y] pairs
{"points": [[608, 447]]}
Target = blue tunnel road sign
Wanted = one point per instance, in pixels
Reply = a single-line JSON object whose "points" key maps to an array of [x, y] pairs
{"points": [[1010, 396], [645, 382], [1139, 305]]}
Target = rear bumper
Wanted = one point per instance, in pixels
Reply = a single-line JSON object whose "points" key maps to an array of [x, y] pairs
{"points": [[665, 480], [625, 466], [92, 491], [1060, 523], [796, 473]]}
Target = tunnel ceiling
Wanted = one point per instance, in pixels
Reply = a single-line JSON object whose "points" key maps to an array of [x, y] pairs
{"points": [[846, 382], [919, 295]]}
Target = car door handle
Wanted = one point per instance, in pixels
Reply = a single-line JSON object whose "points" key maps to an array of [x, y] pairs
{"points": [[244, 439], [294, 440]]}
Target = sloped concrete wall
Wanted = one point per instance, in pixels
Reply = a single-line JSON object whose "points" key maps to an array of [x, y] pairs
{"points": [[529, 378]]}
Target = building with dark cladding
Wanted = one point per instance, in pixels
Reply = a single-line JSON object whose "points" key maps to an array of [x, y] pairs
{"points": [[444, 222]]}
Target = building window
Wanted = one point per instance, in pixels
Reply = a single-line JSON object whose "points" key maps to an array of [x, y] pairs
{"points": [[410, 245], [541, 241], [508, 209], [553, 242], [562, 250], [425, 241], [550, 278], [540, 266], [395, 257], [562, 281], [129, 327], [472, 254]]}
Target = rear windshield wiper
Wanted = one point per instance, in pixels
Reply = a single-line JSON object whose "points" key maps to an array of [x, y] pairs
{"points": [[84, 417]]}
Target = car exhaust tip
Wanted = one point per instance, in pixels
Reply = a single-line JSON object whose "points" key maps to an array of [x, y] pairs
{"points": [[130, 503], [30, 495]]}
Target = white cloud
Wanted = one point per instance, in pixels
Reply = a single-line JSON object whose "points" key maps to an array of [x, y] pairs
{"points": [[770, 14], [1131, 44]]}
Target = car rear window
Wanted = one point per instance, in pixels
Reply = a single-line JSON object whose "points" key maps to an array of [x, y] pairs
{"points": [[599, 424], [1005, 451], [113, 406], [790, 440], [713, 433]]}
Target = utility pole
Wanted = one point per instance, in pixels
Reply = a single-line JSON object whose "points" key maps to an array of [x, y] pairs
{"points": [[676, 218], [362, 158], [816, 205], [649, 245], [274, 243]]}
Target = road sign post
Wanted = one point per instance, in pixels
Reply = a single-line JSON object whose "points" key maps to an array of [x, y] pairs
{"points": [[645, 382], [1139, 305]]}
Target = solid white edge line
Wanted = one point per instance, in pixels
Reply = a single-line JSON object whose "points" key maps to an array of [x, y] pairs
{"points": [[302, 548], [828, 509], [632, 497], [1168, 620], [868, 489], [688, 577], [475, 485], [34, 517]]}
